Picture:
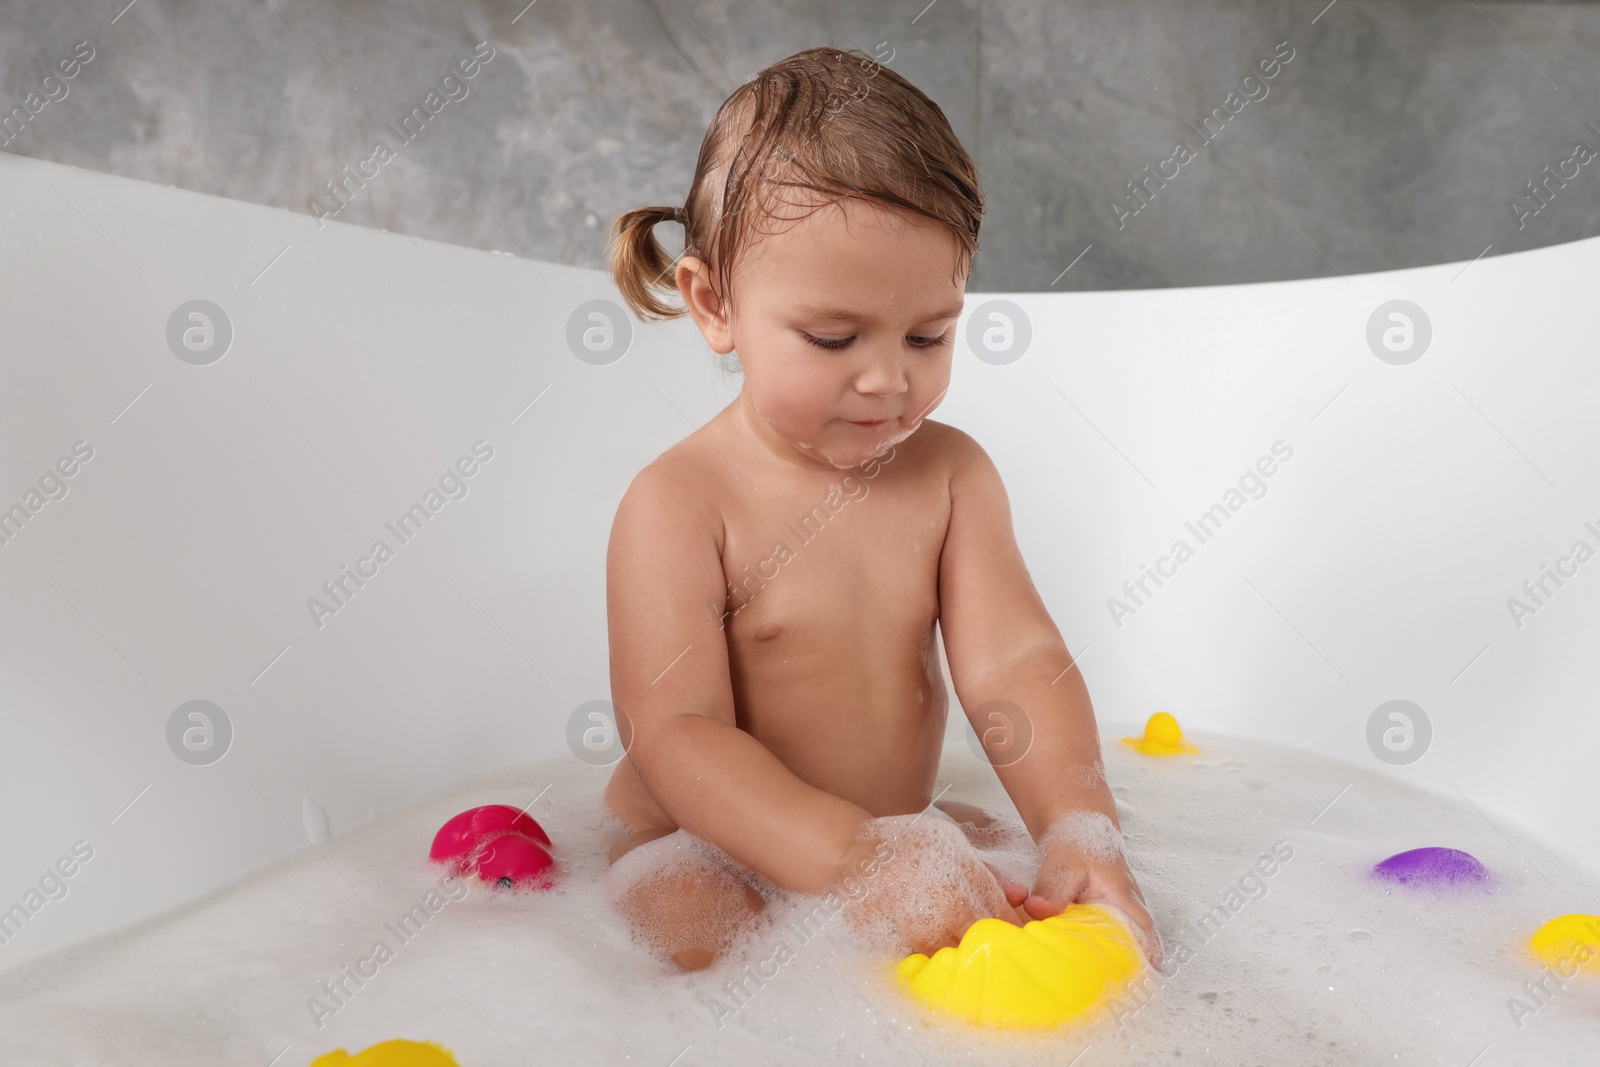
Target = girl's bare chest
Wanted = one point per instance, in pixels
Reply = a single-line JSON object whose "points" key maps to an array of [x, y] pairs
{"points": [[821, 556]]}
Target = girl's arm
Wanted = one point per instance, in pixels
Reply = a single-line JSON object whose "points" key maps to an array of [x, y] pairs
{"points": [[1004, 647], [665, 598]]}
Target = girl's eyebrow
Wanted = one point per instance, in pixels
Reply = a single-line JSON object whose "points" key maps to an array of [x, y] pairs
{"points": [[815, 311]]}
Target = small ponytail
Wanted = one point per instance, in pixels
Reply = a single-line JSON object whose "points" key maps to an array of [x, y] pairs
{"points": [[640, 266]]}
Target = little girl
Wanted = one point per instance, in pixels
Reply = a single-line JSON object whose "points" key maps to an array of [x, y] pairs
{"points": [[773, 580]]}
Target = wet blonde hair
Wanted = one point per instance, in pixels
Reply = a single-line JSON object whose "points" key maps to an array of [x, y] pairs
{"points": [[832, 124]]}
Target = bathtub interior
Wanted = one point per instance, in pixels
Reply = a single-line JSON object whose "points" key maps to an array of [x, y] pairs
{"points": [[1282, 948], [182, 560]]}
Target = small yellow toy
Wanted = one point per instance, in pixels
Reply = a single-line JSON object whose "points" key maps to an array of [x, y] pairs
{"points": [[396, 1053], [1049, 972], [1162, 737], [1569, 943]]}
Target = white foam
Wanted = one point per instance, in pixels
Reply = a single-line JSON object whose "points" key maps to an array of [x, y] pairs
{"points": [[1091, 833], [1314, 954], [1004, 844], [665, 865], [1086, 775], [926, 872]]}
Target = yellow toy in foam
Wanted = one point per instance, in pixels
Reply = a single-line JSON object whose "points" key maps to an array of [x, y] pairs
{"points": [[1162, 737], [396, 1053], [1049, 972], [1569, 943]]}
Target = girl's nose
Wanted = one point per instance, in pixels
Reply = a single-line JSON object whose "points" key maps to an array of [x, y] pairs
{"points": [[884, 375]]}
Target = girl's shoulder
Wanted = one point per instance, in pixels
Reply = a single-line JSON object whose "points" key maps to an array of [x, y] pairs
{"points": [[676, 488], [940, 446]]}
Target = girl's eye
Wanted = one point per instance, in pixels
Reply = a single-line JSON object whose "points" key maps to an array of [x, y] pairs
{"points": [[916, 341]]}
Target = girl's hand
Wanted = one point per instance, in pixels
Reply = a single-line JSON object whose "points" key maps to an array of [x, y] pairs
{"points": [[924, 887], [1070, 874]]}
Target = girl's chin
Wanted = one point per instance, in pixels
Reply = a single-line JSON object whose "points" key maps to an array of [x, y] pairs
{"points": [[846, 456], [833, 455]]}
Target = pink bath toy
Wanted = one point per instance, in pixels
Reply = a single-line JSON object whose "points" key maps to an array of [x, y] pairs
{"points": [[512, 859], [503, 845]]}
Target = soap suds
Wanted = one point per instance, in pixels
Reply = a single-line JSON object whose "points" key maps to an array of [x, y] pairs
{"points": [[1313, 952], [927, 871], [1089, 832]]}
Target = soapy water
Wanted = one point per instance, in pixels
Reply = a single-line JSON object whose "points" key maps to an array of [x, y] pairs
{"points": [[1282, 948], [1090, 832]]}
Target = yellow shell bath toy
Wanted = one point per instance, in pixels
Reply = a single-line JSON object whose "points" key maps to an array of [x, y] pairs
{"points": [[1162, 737], [396, 1053], [1569, 943], [1046, 973]]}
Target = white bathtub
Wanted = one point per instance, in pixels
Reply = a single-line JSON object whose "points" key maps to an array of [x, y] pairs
{"points": [[218, 497]]}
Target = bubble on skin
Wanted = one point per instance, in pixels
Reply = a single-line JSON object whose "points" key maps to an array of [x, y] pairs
{"points": [[1086, 775], [1005, 845], [804, 445], [894, 439], [672, 864], [932, 873], [912, 882], [878, 450], [666, 853], [1089, 832]]}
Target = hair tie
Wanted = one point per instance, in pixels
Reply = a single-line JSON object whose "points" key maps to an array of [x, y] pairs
{"points": [[678, 215]]}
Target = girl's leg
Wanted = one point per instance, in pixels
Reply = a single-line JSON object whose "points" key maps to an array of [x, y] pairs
{"points": [[1003, 843], [687, 905], [979, 825]]}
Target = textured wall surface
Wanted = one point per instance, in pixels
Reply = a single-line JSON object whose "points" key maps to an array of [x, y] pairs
{"points": [[1395, 135]]}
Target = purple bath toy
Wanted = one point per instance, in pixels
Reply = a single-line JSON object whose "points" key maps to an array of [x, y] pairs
{"points": [[1432, 867]]}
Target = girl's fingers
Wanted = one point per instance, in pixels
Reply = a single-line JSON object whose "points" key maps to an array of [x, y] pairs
{"points": [[1057, 885], [1037, 907], [952, 934], [1144, 927], [1015, 892]]}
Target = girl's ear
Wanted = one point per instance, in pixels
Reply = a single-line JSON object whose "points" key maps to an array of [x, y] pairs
{"points": [[701, 301]]}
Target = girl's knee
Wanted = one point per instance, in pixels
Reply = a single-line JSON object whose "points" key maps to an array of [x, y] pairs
{"points": [[965, 813], [687, 904], [628, 842]]}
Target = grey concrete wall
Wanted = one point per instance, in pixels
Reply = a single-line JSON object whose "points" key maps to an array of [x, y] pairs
{"points": [[1398, 134]]}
